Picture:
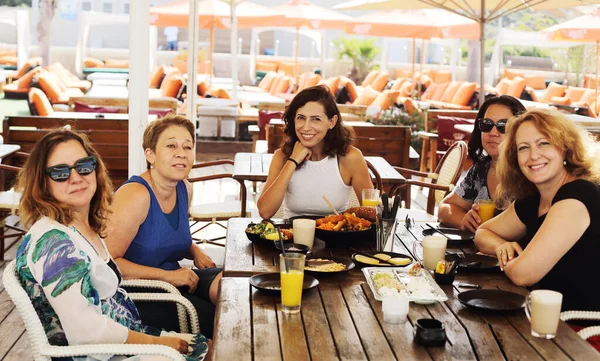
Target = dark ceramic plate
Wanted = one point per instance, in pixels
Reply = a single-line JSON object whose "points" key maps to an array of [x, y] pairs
{"points": [[382, 264], [345, 239], [492, 300], [345, 261], [477, 263], [455, 236], [272, 282]]}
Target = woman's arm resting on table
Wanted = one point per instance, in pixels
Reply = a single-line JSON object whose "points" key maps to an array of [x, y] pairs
{"points": [[456, 212], [505, 227], [564, 225], [280, 174], [354, 163]]}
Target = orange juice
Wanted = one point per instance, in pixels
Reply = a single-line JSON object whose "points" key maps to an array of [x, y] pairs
{"points": [[486, 210], [291, 288], [370, 202]]}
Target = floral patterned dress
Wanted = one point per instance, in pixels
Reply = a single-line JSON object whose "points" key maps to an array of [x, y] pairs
{"points": [[76, 294]]}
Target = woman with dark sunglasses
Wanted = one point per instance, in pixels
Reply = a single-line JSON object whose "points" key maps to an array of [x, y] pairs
{"points": [[459, 208], [63, 262], [148, 231]]}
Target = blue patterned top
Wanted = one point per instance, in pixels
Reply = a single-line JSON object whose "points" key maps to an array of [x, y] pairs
{"points": [[158, 244]]}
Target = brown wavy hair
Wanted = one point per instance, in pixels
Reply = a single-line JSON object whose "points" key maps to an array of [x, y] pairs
{"points": [[337, 140], [574, 141], [32, 181], [157, 127]]}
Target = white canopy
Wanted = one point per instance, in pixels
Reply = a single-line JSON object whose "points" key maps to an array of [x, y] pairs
{"points": [[20, 19], [520, 38]]}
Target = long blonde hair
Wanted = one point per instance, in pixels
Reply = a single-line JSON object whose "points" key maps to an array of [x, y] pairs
{"points": [[577, 144]]}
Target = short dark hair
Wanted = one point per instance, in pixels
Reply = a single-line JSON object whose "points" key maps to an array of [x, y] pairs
{"points": [[36, 200], [337, 139], [475, 146], [157, 127]]}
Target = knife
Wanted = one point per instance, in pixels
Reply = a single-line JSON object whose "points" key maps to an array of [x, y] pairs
{"points": [[386, 206]]}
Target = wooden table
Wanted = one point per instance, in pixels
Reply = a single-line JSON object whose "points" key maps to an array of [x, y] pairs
{"points": [[341, 320], [255, 167]]}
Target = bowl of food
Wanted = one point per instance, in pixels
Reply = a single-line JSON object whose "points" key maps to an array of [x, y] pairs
{"points": [[265, 231], [342, 231]]}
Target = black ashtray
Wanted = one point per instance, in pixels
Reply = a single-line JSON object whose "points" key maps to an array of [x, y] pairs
{"points": [[292, 247], [430, 332], [445, 278]]}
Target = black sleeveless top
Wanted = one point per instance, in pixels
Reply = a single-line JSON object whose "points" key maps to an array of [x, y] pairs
{"points": [[574, 274]]}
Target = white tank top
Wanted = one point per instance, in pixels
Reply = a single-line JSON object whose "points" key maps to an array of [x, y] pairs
{"points": [[304, 195]]}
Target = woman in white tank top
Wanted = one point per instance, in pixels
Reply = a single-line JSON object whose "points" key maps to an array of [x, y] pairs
{"points": [[315, 160]]}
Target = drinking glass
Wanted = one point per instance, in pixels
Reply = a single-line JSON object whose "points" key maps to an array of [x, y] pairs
{"points": [[370, 197], [304, 231], [486, 209], [291, 268], [434, 250], [543, 311]]}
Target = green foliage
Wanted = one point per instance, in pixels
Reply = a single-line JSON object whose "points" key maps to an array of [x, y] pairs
{"points": [[23, 3], [362, 53], [397, 116]]}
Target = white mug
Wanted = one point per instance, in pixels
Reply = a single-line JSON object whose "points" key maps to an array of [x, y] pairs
{"points": [[304, 231], [543, 311], [434, 250]]}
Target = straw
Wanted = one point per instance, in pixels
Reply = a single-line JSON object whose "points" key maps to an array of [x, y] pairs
{"points": [[285, 267], [330, 205]]}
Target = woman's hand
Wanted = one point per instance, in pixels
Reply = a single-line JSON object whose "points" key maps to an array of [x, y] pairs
{"points": [[183, 277], [506, 252], [201, 259], [300, 153], [471, 220], [174, 342]]}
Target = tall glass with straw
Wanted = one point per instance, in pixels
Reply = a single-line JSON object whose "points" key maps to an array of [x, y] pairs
{"points": [[291, 268]]}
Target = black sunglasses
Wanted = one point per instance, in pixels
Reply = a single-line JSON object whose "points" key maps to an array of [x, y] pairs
{"points": [[486, 125], [62, 172]]}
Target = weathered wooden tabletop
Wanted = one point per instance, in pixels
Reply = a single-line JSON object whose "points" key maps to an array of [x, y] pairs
{"points": [[341, 320]]}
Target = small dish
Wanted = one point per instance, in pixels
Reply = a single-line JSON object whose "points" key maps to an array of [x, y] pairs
{"points": [[272, 281], [348, 264], [430, 332], [293, 247]]}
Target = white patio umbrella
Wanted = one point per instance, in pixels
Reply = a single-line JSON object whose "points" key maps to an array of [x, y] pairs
{"points": [[481, 11]]}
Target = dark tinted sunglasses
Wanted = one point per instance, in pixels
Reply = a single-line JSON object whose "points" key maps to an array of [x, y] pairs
{"points": [[486, 125], [62, 172]]}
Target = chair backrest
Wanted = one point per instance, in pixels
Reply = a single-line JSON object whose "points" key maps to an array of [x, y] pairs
{"points": [[33, 325], [448, 171]]}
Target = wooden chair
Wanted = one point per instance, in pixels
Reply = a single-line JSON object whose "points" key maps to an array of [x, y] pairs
{"points": [[9, 203], [216, 209], [443, 179]]}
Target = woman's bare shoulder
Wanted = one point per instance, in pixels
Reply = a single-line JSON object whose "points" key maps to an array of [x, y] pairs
{"points": [[133, 196], [353, 155]]}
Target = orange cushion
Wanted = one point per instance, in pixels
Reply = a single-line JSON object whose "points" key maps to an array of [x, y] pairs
{"points": [[385, 99], [574, 93], [40, 102], [397, 83], [410, 105], [406, 89], [442, 77], [266, 66], [464, 93], [516, 87], [24, 82], [367, 97], [428, 94], [202, 88], [312, 80], [267, 80], [439, 91], [503, 85], [156, 77], [350, 87], [425, 80], [511, 74], [116, 63], [450, 91], [283, 85], [561, 100], [401, 73], [553, 90], [370, 77], [172, 87], [535, 81], [286, 67], [333, 84], [588, 97], [531, 93], [380, 81], [49, 85], [93, 63], [8, 60]]}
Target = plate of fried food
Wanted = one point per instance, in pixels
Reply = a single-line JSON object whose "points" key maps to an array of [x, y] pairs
{"points": [[328, 265], [343, 229]]}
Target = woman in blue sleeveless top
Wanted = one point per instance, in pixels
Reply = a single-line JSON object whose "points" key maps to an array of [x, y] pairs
{"points": [[148, 231]]}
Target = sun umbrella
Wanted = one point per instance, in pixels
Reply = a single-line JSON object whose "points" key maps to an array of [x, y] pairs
{"points": [[303, 14], [214, 14], [481, 11], [585, 28], [415, 24]]}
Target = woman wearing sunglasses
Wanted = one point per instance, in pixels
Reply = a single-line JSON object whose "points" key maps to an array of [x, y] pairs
{"points": [[148, 230], [62, 261], [459, 208], [548, 235]]}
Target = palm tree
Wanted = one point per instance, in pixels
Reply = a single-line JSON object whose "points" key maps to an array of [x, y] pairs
{"points": [[362, 53], [44, 26]]}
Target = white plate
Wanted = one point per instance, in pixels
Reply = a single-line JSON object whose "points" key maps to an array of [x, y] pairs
{"points": [[434, 292]]}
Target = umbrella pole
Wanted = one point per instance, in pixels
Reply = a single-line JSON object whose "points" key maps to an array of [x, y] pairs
{"points": [[414, 51], [212, 44], [482, 55], [296, 68], [596, 85], [421, 69]]}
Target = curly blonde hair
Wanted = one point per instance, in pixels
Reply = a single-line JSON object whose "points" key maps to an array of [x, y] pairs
{"points": [[577, 144], [32, 181]]}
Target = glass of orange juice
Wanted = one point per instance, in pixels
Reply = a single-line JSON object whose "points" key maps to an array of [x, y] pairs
{"points": [[370, 197], [291, 268], [486, 209]]}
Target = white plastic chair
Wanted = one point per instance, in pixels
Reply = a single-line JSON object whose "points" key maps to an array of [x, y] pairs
{"points": [[43, 351]]}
